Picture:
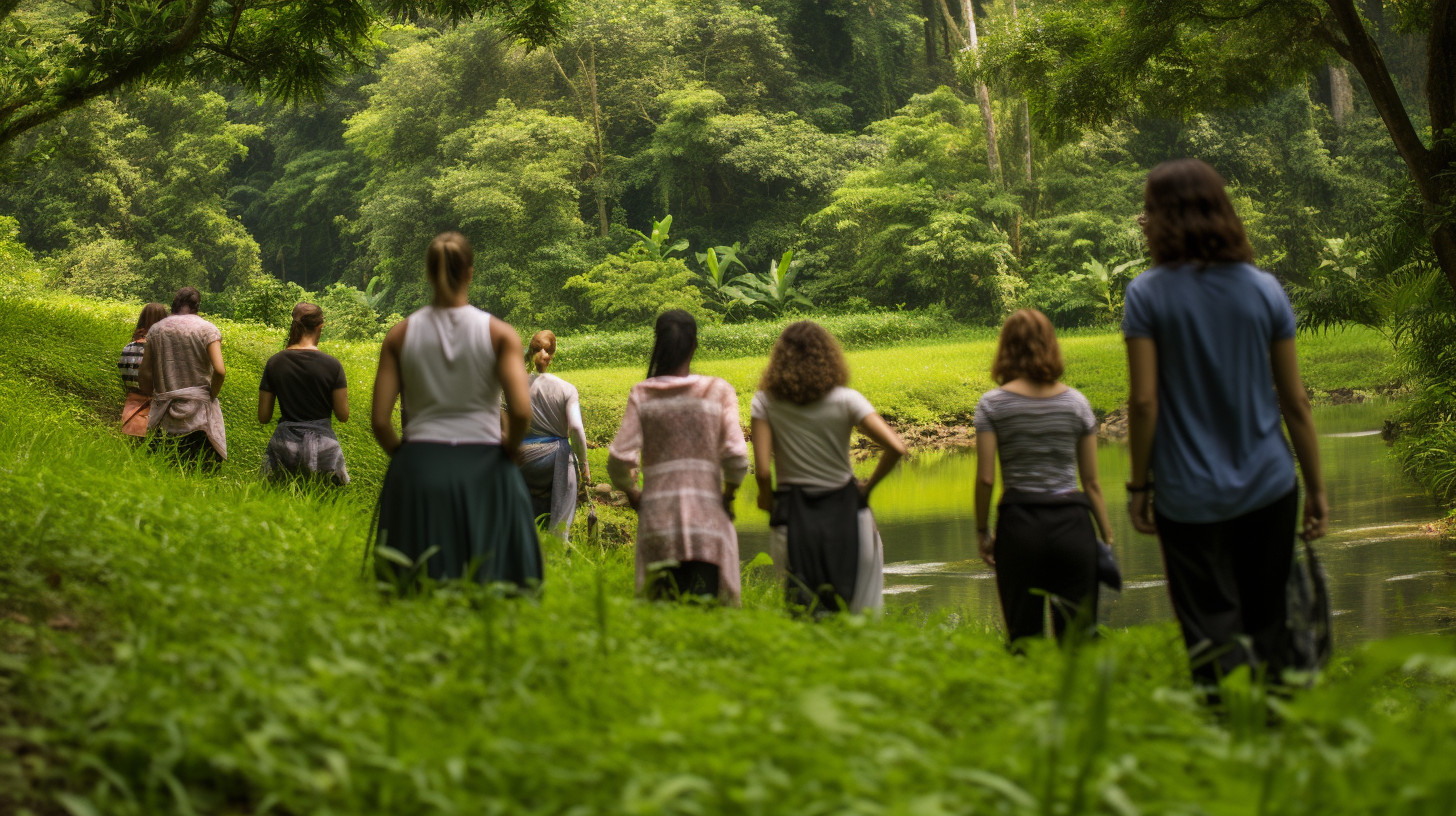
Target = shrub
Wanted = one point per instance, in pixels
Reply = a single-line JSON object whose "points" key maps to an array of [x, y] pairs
{"points": [[265, 300], [347, 314]]}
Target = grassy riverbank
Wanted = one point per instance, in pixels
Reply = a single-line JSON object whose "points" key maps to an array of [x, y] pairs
{"points": [[171, 643]]}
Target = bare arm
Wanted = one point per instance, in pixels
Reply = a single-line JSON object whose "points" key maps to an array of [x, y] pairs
{"points": [[985, 484], [1294, 405], [341, 404], [387, 389], [763, 462], [265, 406], [623, 453], [1142, 423], [510, 371], [1091, 485], [576, 429], [145, 381], [892, 448], [219, 371]]}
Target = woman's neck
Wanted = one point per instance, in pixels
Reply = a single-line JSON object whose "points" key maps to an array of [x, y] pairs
{"points": [[1034, 388], [681, 371], [451, 300], [309, 341]]}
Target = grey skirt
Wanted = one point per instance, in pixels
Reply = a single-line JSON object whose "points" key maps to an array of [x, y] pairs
{"points": [[468, 502]]}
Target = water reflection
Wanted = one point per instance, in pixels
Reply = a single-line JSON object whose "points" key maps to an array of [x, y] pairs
{"points": [[1388, 574]]}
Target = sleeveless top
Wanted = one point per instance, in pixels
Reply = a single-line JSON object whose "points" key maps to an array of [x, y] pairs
{"points": [[447, 368], [551, 397]]}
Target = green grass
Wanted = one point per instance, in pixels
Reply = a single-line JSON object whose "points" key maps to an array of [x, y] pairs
{"points": [[174, 643]]}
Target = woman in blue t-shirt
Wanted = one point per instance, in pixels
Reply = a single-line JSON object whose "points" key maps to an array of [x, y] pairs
{"points": [[1210, 347]]}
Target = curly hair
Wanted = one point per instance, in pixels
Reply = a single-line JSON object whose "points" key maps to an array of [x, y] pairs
{"points": [[806, 363], [1028, 349], [1187, 216]]}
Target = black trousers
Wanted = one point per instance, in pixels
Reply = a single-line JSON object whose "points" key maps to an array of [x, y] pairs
{"points": [[191, 448], [1228, 581], [1045, 550], [688, 578]]}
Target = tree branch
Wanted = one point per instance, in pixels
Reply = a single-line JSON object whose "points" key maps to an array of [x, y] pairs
{"points": [[142, 64]]}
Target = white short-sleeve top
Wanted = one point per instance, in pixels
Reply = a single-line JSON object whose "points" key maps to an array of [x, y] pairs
{"points": [[811, 442]]}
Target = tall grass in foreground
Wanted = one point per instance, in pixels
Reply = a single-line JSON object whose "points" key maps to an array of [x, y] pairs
{"points": [[175, 643]]}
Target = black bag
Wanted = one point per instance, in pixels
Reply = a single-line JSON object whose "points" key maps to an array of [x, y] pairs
{"points": [[1311, 639], [1108, 573]]}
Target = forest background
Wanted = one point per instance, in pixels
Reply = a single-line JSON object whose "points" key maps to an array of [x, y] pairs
{"points": [[740, 160]]}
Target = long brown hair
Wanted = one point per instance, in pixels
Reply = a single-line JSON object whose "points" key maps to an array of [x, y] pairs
{"points": [[151, 313], [307, 318], [1028, 349], [448, 260], [806, 363], [542, 349], [1187, 216]]}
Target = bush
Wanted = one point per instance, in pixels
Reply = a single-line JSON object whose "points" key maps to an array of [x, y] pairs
{"points": [[633, 288], [19, 272], [265, 300], [347, 314], [107, 268]]}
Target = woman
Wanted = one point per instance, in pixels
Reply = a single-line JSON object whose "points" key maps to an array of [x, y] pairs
{"points": [[824, 535], [1207, 333], [453, 497], [135, 412], [1046, 437], [310, 387], [547, 457], [182, 371], [693, 458]]}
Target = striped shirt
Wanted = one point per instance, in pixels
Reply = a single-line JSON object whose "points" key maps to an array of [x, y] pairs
{"points": [[130, 365], [1036, 437]]}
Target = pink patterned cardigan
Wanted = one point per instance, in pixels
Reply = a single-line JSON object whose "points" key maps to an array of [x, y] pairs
{"points": [[687, 433]]}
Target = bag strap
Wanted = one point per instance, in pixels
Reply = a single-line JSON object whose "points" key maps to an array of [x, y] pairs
{"points": [[146, 404]]}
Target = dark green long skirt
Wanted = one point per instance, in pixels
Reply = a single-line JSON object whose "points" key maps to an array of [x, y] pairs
{"points": [[467, 500]]}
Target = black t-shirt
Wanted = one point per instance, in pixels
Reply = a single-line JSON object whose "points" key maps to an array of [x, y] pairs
{"points": [[304, 382]]}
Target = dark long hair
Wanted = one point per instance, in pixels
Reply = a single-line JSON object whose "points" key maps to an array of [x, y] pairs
{"points": [[448, 259], [151, 313], [806, 363], [307, 318], [676, 340], [1187, 216], [186, 301]]}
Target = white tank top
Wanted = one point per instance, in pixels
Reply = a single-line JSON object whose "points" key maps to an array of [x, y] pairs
{"points": [[450, 393]]}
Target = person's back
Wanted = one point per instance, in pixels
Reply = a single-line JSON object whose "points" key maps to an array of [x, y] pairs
{"points": [[550, 398], [178, 346], [1220, 448], [304, 380], [447, 365], [811, 441], [1036, 437]]}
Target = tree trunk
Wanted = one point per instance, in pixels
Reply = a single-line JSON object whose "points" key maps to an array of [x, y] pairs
{"points": [[1342, 96], [929, 14], [1023, 113], [1430, 168], [983, 96], [600, 152]]}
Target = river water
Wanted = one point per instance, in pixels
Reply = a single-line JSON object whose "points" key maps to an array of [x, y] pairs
{"points": [[1388, 573]]}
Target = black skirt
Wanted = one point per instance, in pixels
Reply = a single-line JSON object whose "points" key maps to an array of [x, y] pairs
{"points": [[469, 502]]}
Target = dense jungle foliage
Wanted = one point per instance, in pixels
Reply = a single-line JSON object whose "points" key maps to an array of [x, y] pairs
{"points": [[742, 160]]}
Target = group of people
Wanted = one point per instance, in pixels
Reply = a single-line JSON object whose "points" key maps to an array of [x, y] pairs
{"points": [[1212, 372]]}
